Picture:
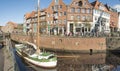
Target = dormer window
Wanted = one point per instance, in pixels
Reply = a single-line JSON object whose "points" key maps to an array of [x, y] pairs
{"points": [[56, 2], [101, 7], [80, 3]]}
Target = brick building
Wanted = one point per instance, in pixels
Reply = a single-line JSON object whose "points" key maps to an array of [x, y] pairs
{"points": [[56, 17], [79, 14], [113, 18], [79, 17], [9, 27], [29, 20]]}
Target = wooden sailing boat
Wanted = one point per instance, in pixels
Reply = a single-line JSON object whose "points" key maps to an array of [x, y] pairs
{"points": [[42, 59]]}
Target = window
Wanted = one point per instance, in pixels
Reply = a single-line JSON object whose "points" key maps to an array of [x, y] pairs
{"points": [[85, 3], [88, 11], [72, 10], [56, 21], [52, 7], [83, 18], [56, 1], [48, 22], [96, 18], [48, 15], [74, 3], [56, 7], [65, 21], [83, 10], [88, 18], [60, 14], [78, 10], [51, 15], [60, 21], [107, 21], [78, 17], [101, 7], [56, 14], [51, 22], [64, 13], [72, 17], [60, 6], [95, 11], [80, 3]]}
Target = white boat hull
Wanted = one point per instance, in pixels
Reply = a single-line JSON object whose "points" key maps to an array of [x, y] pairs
{"points": [[51, 64]]}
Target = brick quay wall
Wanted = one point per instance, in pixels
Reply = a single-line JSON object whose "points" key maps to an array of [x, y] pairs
{"points": [[67, 44]]}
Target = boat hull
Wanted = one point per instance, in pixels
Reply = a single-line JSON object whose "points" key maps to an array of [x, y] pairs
{"points": [[51, 64]]}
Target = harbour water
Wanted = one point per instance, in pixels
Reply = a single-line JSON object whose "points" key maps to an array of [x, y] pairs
{"points": [[78, 62]]}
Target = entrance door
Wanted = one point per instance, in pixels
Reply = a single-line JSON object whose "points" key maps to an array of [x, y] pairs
{"points": [[71, 28]]}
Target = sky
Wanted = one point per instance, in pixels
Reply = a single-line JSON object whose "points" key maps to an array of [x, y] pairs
{"points": [[14, 10]]}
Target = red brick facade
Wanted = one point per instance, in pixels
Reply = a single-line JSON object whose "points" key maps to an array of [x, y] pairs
{"points": [[59, 18], [113, 18]]}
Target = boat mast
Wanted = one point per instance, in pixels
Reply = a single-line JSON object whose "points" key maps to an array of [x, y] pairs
{"points": [[38, 27]]}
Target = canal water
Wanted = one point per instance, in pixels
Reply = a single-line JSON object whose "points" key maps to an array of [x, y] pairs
{"points": [[109, 61]]}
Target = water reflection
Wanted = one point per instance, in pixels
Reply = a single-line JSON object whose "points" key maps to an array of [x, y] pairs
{"points": [[83, 62], [113, 59]]}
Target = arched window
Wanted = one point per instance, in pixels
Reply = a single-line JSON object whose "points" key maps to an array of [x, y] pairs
{"points": [[80, 3]]}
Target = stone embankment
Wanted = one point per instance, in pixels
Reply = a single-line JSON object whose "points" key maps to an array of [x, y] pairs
{"points": [[66, 44], [113, 43], [7, 60], [1, 59]]}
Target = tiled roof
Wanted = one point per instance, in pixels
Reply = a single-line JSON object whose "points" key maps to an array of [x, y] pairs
{"points": [[110, 8], [96, 4], [10, 26], [29, 15], [12, 23], [93, 3], [32, 14]]}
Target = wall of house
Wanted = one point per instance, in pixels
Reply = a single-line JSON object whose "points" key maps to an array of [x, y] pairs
{"points": [[85, 13], [97, 16], [114, 19]]}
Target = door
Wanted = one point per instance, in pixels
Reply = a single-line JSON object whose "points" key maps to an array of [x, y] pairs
{"points": [[71, 28]]}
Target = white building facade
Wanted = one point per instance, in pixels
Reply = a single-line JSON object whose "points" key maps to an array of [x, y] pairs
{"points": [[101, 21]]}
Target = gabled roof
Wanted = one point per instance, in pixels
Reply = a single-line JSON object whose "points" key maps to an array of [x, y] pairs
{"points": [[77, 1], [12, 23], [96, 5], [110, 8], [29, 15], [93, 3]]}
